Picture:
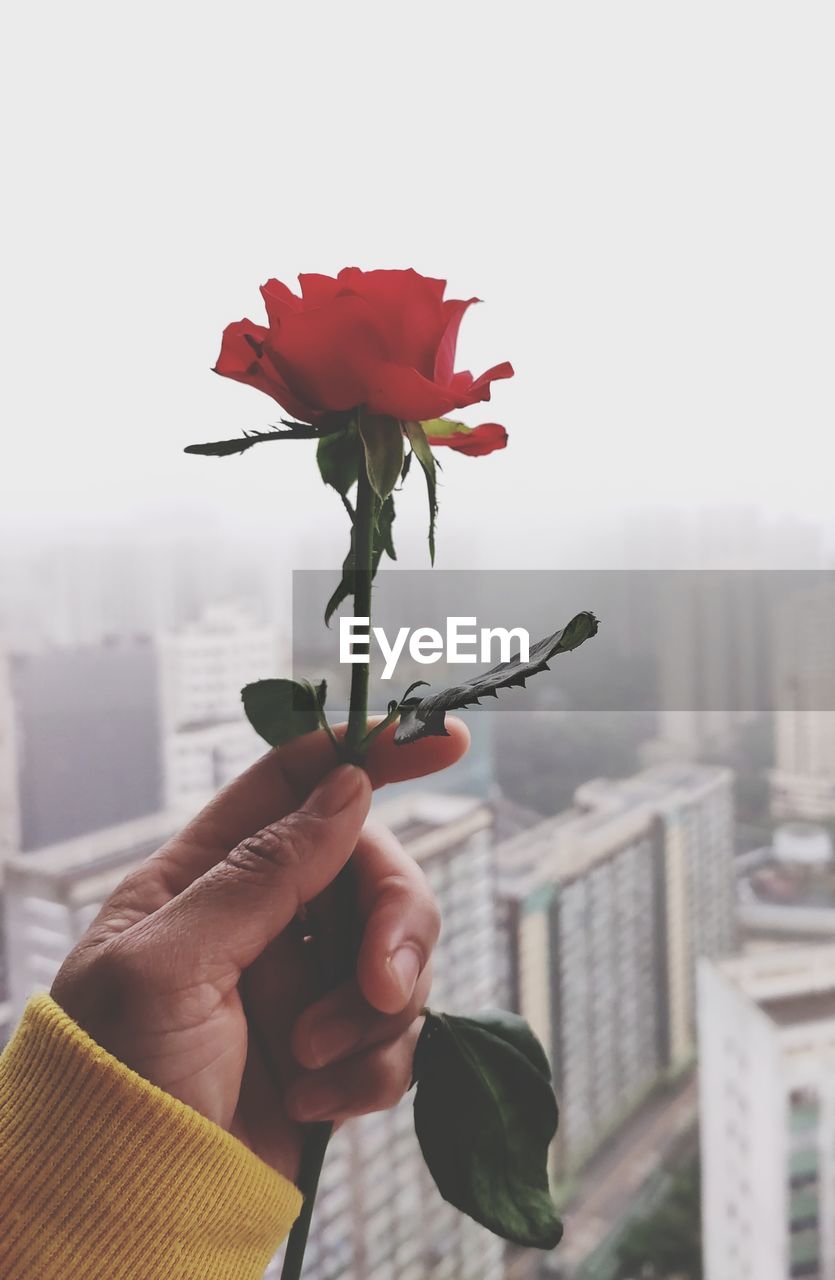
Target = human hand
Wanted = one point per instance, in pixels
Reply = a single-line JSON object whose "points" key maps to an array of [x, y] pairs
{"points": [[196, 972]]}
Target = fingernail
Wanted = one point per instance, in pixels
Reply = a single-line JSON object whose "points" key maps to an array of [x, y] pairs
{"points": [[313, 1100], [336, 792], [405, 968], [330, 1038]]}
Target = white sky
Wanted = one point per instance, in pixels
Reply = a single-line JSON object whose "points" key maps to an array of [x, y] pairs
{"points": [[642, 193]]}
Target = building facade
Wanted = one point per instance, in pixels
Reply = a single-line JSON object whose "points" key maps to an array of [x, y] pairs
{"points": [[606, 909], [767, 1106], [9, 802], [378, 1214], [86, 738], [713, 668], [52, 895], [207, 740], [803, 781], [803, 778]]}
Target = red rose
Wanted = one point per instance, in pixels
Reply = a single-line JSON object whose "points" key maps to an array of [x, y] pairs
{"points": [[382, 339]]}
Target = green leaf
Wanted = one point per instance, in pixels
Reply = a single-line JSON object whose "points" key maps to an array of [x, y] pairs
{"points": [[485, 1114], [518, 1033], [345, 587], [383, 537], [424, 717], [382, 541], [422, 451], [280, 710], [338, 458], [222, 448], [383, 440]]}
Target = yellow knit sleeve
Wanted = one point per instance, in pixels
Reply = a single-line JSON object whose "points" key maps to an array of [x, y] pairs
{"points": [[105, 1177]]}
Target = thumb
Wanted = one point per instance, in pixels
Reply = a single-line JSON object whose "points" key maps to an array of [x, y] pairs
{"points": [[230, 914]]}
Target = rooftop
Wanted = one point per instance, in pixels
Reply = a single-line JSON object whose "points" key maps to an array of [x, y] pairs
{"points": [[792, 1011], [781, 884], [608, 815], [428, 823], [792, 985], [96, 851], [660, 785]]}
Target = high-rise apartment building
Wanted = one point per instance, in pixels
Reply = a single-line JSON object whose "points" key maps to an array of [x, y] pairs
{"points": [[378, 1215], [86, 738], [606, 908], [712, 662], [767, 1105], [207, 740], [803, 781], [692, 805], [52, 894], [99, 734], [803, 778], [9, 804]]}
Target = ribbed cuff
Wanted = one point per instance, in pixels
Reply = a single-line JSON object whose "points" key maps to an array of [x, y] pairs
{"points": [[104, 1175]]}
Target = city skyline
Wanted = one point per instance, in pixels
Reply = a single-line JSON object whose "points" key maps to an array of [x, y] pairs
{"points": [[658, 846]]}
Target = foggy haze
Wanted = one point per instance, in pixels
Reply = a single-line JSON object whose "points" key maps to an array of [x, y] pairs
{"points": [[650, 232]]}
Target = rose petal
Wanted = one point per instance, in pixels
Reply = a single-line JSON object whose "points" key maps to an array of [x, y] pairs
{"points": [[240, 359], [473, 441], [409, 311], [317, 289], [454, 310], [402, 285], [470, 390], [279, 301], [406, 394], [329, 356]]}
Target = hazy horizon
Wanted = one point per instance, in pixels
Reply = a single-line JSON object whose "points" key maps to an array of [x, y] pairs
{"points": [[649, 227]]}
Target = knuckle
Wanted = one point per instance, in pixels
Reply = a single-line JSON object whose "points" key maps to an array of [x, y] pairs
{"points": [[277, 848], [399, 885], [117, 974], [130, 884], [117, 965], [108, 992], [124, 902]]}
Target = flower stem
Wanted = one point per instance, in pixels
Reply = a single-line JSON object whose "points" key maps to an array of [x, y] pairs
{"points": [[318, 1136], [363, 573], [310, 1167]]}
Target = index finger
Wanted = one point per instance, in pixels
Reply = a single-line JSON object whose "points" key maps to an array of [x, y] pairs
{"points": [[281, 780]]}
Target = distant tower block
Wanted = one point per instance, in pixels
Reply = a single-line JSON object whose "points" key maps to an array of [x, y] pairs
{"points": [[767, 1108], [607, 908], [803, 779], [207, 740]]}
